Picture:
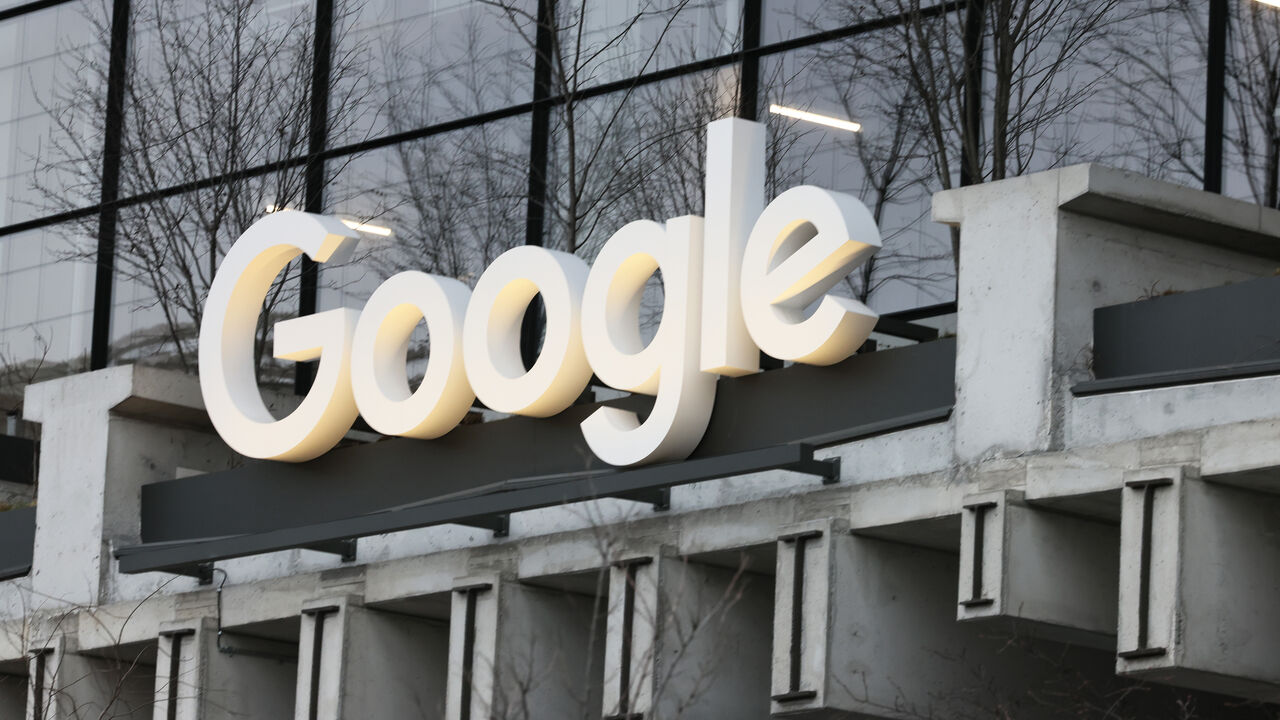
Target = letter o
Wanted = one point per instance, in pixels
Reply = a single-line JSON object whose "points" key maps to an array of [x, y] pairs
{"points": [[381, 341], [491, 334]]}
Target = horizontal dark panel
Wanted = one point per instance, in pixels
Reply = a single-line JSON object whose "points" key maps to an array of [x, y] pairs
{"points": [[476, 507], [1202, 334], [1177, 377], [866, 394], [17, 541], [17, 460]]}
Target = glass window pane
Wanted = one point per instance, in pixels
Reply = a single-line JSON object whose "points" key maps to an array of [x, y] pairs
{"points": [[632, 155], [167, 252], [46, 305], [446, 205], [887, 165], [790, 19], [52, 80], [602, 42], [405, 64], [214, 88]]}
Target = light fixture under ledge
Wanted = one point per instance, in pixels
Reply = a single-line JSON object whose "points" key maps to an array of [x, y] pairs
{"points": [[366, 228], [819, 119], [378, 230]]}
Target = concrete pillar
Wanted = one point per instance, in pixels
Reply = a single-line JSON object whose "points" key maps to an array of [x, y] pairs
{"points": [[95, 454], [1053, 574], [1005, 324], [686, 639], [1040, 252], [520, 651], [369, 663], [1199, 577], [69, 685], [209, 681]]}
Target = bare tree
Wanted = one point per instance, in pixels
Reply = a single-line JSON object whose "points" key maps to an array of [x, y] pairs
{"points": [[214, 91], [1160, 104], [1042, 61]]}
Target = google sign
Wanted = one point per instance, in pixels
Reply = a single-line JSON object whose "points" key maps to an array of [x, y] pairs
{"points": [[748, 277]]}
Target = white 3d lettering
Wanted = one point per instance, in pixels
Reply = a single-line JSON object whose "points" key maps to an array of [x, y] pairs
{"points": [[748, 277]]}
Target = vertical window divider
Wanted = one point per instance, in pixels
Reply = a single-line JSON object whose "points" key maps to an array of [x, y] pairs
{"points": [[313, 194], [749, 77], [1215, 93], [539, 153], [108, 209]]}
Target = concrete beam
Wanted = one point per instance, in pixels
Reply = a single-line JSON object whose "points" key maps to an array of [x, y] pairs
{"points": [[684, 640], [1054, 575], [1199, 571], [357, 662], [68, 684], [878, 638], [517, 650], [203, 680]]}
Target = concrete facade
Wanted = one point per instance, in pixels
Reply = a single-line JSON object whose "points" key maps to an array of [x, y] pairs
{"points": [[1036, 555]]}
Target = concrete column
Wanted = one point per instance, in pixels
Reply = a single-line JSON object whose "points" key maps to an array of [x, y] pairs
{"points": [[96, 452], [686, 638], [520, 651], [1053, 574], [68, 685], [1039, 253], [1199, 574]]}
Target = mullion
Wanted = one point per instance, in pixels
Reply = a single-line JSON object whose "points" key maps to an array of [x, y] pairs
{"points": [[341, 151], [31, 7], [539, 152], [108, 213], [313, 194], [749, 77]]}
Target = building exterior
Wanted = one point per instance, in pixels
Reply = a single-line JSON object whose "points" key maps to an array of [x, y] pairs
{"points": [[1045, 487]]}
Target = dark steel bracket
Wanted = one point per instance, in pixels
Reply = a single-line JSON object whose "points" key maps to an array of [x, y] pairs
{"points": [[344, 548], [794, 693], [201, 571], [499, 523], [976, 597], [1148, 489], [659, 498]]}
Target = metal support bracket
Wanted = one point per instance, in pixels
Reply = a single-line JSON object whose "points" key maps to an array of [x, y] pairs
{"points": [[499, 523], [201, 571], [344, 549]]}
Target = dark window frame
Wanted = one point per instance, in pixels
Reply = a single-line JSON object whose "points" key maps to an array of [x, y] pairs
{"points": [[747, 57]]}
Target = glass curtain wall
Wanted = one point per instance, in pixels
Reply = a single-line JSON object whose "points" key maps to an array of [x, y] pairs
{"points": [[454, 129]]}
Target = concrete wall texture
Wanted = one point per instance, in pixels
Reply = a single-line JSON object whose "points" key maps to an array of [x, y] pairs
{"points": [[1036, 555]]}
